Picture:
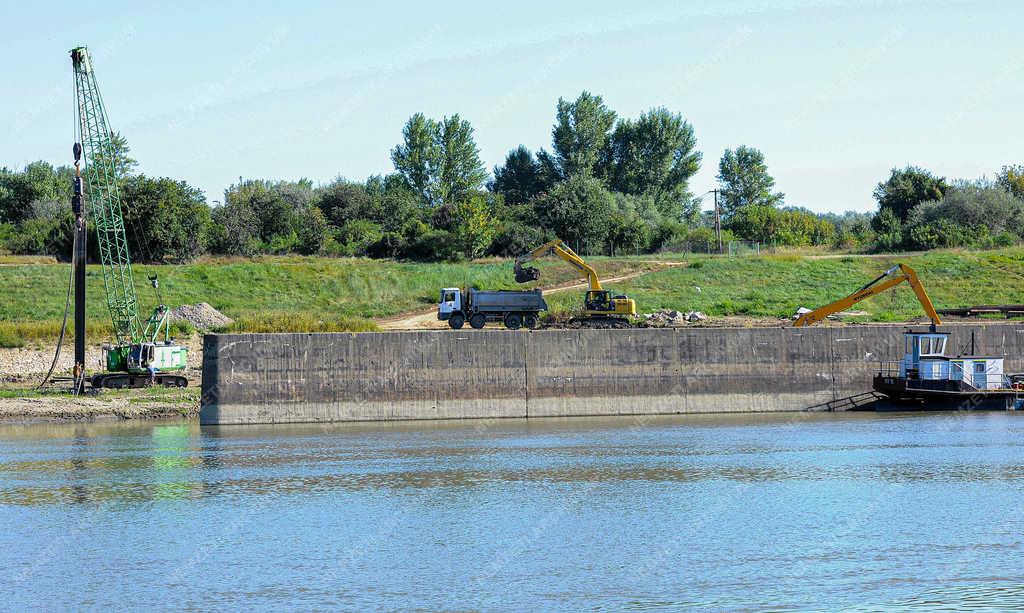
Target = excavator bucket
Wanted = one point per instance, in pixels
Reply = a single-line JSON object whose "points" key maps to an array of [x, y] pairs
{"points": [[525, 274]]}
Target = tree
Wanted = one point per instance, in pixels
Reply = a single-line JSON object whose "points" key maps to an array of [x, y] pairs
{"points": [[166, 220], [37, 181], [312, 231], [439, 160], [235, 229], [521, 177], [474, 225], [578, 210], [276, 211], [743, 180], [970, 212], [392, 202], [418, 158], [906, 188], [580, 134], [1011, 178], [888, 230], [461, 171], [655, 155], [343, 201]]}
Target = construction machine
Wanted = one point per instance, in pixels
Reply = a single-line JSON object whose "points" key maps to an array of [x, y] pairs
{"points": [[600, 307], [887, 280], [143, 352]]}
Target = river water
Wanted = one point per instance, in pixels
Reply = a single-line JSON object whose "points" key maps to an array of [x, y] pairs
{"points": [[857, 511]]}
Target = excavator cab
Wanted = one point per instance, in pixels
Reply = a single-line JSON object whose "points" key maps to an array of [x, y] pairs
{"points": [[601, 302], [598, 301]]}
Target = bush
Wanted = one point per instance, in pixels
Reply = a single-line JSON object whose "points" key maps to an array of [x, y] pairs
{"points": [[390, 245], [343, 202], [973, 204], [43, 236], [358, 236], [945, 233], [888, 231], [234, 230], [514, 239], [165, 220], [312, 231], [678, 238], [790, 227], [7, 232]]}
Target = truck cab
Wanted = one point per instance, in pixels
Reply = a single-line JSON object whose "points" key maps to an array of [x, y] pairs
{"points": [[450, 302]]}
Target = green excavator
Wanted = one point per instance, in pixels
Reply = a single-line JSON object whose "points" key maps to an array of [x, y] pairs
{"points": [[143, 352]]}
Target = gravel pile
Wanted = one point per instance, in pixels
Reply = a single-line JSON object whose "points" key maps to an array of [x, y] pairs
{"points": [[202, 316], [667, 317]]}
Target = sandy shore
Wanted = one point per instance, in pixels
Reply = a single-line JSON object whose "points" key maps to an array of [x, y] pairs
{"points": [[22, 369], [127, 405]]}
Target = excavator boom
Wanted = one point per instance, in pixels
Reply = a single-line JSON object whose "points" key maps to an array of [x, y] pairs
{"points": [[559, 248], [598, 303], [887, 280]]}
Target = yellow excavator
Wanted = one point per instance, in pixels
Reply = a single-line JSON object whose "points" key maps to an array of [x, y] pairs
{"points": [[887, 280], [600, 307]]}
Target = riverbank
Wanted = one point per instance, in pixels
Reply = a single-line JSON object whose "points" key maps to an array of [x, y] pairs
{"points": [[28, 406], [318, 294], [23, 368]]}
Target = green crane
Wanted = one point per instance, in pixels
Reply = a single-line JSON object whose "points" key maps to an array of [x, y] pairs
{"points": [[139, 356]]}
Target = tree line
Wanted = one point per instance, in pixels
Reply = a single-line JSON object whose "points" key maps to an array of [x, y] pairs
{"points": [[608, 184]]}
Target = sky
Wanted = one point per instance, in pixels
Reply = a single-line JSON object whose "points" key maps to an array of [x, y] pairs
{"points": [[834, 92]]}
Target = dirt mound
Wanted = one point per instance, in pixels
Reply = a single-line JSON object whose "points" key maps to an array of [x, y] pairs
{"points": [[201, 315]]}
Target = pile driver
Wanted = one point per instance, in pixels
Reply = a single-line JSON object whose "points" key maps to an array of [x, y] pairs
{"points": [[143, 353]]}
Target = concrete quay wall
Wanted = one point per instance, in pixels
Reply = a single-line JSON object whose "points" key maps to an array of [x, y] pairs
{"points": [[296, 378]]}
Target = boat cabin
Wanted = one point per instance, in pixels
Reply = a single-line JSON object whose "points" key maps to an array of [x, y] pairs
{"points": [[925, 359]]}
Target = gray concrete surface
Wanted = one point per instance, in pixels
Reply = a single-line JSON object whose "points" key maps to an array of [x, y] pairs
{"points": [[290, 378]]}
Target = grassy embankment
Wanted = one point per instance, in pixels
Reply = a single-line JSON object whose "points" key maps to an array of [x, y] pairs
{"points": [[270, 294], [774, 286], [319, 294]]}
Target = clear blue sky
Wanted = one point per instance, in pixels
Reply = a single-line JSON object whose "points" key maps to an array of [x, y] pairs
{"points": [[835, 92]]}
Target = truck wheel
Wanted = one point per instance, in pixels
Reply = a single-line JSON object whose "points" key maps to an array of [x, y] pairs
{"points": [[456, 321], [478, 320], [513, 321], [530, 321]]}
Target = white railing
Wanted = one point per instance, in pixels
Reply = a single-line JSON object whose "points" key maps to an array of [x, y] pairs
{"points": [[970, 380]]}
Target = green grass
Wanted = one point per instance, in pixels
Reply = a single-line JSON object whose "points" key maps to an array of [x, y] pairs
{"points": [[295, 294], [774, 286], [273, 294]]}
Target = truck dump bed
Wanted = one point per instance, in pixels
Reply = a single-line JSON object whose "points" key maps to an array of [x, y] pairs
{"points": [[507, 300]]}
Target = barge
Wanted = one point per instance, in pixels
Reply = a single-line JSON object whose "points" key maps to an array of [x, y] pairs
{"points": [[929, 378]]}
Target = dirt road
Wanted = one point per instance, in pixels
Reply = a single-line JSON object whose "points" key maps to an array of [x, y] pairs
{"points": [[427, 319]]}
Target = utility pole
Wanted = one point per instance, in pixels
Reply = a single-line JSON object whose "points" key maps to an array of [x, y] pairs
{"points": [[718, 221]]}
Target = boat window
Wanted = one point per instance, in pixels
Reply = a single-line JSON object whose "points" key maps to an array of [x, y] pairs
{"points": [[942, 346], [979, 367]]}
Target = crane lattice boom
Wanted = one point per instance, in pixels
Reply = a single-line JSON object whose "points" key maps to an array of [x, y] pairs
{"points": [[104, 200]]}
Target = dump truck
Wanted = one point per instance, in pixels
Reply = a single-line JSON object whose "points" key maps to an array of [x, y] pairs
{"points": [[513, 308]]}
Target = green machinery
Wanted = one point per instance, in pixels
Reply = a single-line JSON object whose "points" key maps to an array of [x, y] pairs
{"points": [[143, 353]]}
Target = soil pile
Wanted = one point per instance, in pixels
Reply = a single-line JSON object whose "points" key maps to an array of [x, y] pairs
{"points": [[202, 316]]}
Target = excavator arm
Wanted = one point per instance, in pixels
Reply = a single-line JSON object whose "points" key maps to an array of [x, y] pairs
{"points": [[887, 280], [556, 247]]}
